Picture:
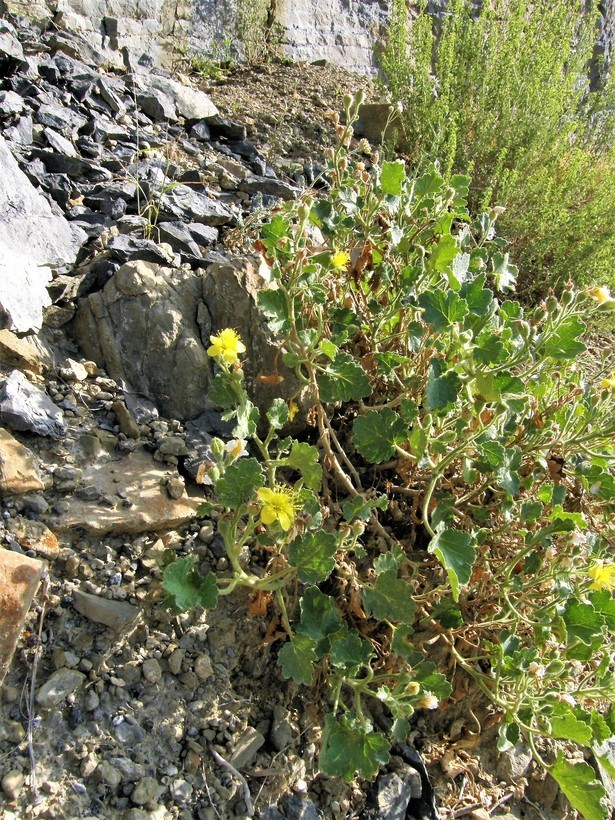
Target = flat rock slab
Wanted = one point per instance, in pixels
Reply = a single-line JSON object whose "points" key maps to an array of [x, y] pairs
{"points": [[19, 580], [142, 480], [18, 472], [115, 614], [60, 685]]}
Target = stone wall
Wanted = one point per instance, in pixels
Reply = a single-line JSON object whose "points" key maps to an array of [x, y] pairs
{"points": [[343, 32]]}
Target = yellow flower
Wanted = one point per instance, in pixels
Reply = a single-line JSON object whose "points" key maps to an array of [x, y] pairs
{"points": [[278, 505], [599, 294], [226, 346], [608, 383], [340, 260], [602, 575], [293, 409]]}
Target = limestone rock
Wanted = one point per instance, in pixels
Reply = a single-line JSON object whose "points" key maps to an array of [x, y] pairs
{"points": [[190, 103], [62, 683], [35, 536], [143, 483], [19, 580], [230, 292], [21, 353], [246, 749], [114, 614], [18, 472], [32, 241], [24, 406], [142, 329]]}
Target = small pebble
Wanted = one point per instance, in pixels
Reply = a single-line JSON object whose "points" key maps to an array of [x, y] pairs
{"points": [[147, 790], [152, 671], [12, 783]]}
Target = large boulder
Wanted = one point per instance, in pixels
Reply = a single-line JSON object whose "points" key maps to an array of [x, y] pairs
{"points": [[33, 242], [150, 328], [142, 328]]}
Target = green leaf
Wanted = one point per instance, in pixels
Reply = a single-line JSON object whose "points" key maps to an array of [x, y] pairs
{"points": [[313, 556], [429, 183], [247, 420], [582, 621], [566, 726], [442, 388], [489, 349], [456, 552], [432, 681], [459, 270], [390, 599], [417, 442], [343, 380], [274, 305], [393, 177], [377, 432], [222, 392], [351, 652], [604, 603], [360, 507], [348, 748], [507, 474], [531, 511], [441, 308], [278, 414], [320, 618], [448, 614], [479, 298], [564, 344], [402, 645], [504, 273], [239, 482], [187, 587], [304, 457], [579, 783], [274, 231], [508, 736], [297, 658], [443, 255]]}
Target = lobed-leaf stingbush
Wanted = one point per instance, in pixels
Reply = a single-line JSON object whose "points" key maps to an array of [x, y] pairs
{"points": [[460, 477]]}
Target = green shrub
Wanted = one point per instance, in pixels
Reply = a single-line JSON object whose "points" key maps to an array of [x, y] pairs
{"points": [[503, 95], [455, 486]]}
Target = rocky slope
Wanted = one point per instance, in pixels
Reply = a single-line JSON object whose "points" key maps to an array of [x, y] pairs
{"points": [[122, 194]]}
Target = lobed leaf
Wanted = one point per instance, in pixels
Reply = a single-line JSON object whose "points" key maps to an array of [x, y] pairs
{"points": [[579, 783], [456, 552], [187, 587], [297, 658], [305, 458], [390, 599], [348, 748], [343, 380], [377, 432], [239, 482], [313, 556]]}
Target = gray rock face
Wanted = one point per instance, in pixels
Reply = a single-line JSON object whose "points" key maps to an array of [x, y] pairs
{"points": [[24, 406], [230, 292], [142, 328], [32, 240], [340, 32], [150, 327]]}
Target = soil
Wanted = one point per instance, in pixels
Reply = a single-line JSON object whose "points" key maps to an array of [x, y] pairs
{"points": [[166, 703]]}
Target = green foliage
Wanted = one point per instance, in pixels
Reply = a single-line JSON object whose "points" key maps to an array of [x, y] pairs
{"points": [[435, 404], [504, 94], [579, 784]]}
